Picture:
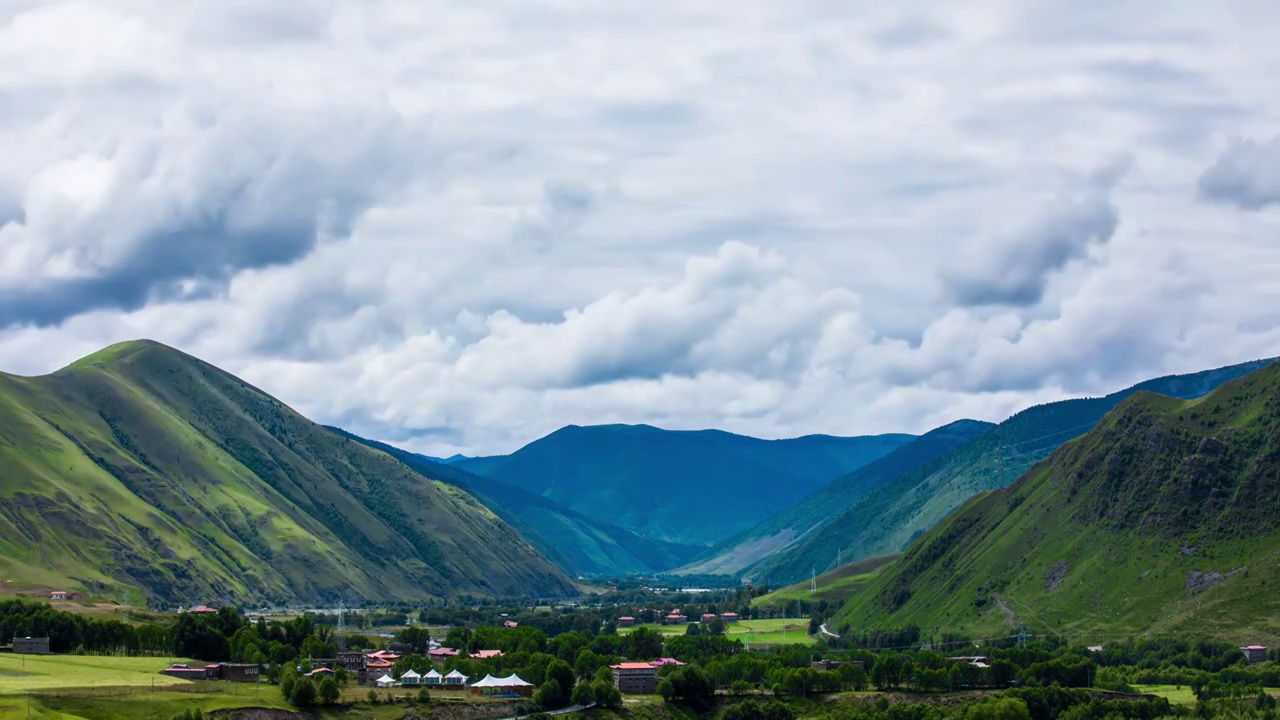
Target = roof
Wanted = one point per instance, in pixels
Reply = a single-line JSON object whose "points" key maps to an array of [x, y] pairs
{"points": [[730, 615], [482, 654], [319, 671], [455, 673], [511, 623], [632, 666], [377, 665], [386, 678], [433, 674], [443, 651], [665, 661], [410, 674], [1253, 647], [202, 609], [509, 681]]}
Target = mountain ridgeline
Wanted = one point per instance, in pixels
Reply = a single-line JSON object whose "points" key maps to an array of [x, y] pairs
{"points": [[143, 473], [884, 520], [578, 544], [786, 529], [659, 484], [1165, 517]]}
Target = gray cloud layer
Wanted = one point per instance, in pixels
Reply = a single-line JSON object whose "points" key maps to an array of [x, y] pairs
{"points": [[468, 225]]}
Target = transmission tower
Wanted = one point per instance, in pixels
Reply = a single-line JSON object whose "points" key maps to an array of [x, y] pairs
{"points": [[813, 582]]}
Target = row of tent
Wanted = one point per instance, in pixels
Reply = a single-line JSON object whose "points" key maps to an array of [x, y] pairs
{"points": [[410, 677]]}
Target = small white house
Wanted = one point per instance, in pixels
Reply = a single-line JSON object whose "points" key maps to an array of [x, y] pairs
{"points": [[58, 595], [385, 681], [455, 678], [410, 678], [433, 677]]}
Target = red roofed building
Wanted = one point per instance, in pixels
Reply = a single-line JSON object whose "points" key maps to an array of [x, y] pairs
{"points": [[708, 617], [635, 677], [1254, 653], [675, 619], [626, 621], [486, 654], [666, 661], [510, 624], [729, 617], [202, 610], [439, 655]]}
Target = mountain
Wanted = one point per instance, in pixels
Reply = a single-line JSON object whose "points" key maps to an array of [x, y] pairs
{"points": [[1165, 517], [686, 487], [143, 471], [785, 529], [885, 520], [579, 545]]}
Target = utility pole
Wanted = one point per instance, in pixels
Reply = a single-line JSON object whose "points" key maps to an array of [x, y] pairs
{"points": [[813, 581], [1022, 636]]}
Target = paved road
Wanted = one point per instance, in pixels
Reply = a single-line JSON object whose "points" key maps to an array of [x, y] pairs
{"points": [[825, 631], [562, 711]]}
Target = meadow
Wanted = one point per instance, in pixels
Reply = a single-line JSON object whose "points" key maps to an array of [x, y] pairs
{"points": [[753, 632]]}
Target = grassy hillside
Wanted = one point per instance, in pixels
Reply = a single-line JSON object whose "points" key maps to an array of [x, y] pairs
{"points": [[787, 528], [580, 546], [142, 470], [675, 486], [835, 586], [886, 520], [1164, 518]]}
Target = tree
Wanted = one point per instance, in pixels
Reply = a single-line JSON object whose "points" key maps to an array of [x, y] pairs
{"points": [[329, 692], [607, 695], [418, 637], [754, 710], [583, 693], [288, 679], [667, 690], [304, 692], [998, 709], [424, 697], [604, 674], [549, 696], [373, 696], [644, 643], [740, 687], [560, 672]]}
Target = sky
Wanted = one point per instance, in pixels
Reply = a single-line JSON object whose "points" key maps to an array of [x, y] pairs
{"points": [[460, 226]]}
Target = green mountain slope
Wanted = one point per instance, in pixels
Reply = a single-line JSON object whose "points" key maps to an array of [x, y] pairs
{"points": [[886, 520], [787, 528], [1165, 517], [143, 470], [687, 487], [578, 544]]}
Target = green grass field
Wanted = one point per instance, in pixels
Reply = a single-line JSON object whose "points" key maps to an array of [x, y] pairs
{"points": [[773, 631], [835, 586], [1176, 695], [35, 673]]}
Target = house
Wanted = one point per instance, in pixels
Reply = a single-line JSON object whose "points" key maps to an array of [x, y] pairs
{"points": [[510, 624], [626, 621], [708, 617], [235, 672], [729, 617], [383, 656], [410, 678], [58, 595], [433, 677], [1252, 653], [385, 681], [400, 649], [320, 673], [1095, 648], [439, 655], [31, 646], [352, 661], [486, 654], [203, 610], [181, 670], [666, 661], [636, 678], [510, 686], [675, 619], [454, 681]]}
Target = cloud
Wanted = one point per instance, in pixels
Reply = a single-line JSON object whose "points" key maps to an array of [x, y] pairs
{"points": [[1014, 269], [468, 225], [1246, 175]]}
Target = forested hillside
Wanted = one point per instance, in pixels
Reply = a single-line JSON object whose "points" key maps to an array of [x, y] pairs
{"points": [[1165, 517], [142, 471]]}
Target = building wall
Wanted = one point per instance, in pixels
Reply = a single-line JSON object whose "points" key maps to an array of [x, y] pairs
{"points": [[31, 646], [636, 683]]}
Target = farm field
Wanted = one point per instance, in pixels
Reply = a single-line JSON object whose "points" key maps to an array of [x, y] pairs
{"points": [[1174, 694], [34, 673], [754, 632]]}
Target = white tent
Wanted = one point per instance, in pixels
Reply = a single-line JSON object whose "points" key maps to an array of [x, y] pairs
{"points": [[385, 681], [455, 678], [513, 680], [432, 678], [488, 681], [410, 678]]}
